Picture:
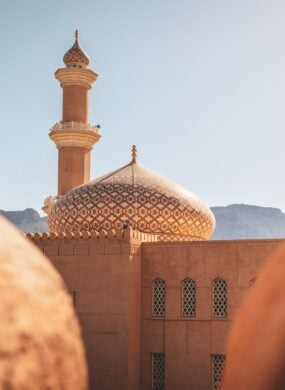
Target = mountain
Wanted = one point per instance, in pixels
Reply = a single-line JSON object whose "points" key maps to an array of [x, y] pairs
{"points": [[234, 222], [28, 220], [241, 221]]}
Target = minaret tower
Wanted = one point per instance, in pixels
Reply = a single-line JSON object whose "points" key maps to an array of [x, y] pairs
{"points": [[73, 135]]}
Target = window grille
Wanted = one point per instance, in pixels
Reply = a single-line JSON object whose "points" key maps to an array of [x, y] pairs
{"points": [[219, 298], [218, 366], [188, 298], [158, 297], [158, 370]]}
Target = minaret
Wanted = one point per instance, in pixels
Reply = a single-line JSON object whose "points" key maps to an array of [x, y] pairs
{"points": [[74, 136]]}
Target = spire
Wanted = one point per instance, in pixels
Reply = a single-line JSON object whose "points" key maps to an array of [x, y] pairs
{"points": [[75, 56], [134, 154], [73, 135]]}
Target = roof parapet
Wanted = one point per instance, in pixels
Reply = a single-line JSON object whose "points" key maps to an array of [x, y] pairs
{"points": [[128, 234]]}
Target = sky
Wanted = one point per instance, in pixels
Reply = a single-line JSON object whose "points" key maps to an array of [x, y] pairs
{"points": [[198, 86]]}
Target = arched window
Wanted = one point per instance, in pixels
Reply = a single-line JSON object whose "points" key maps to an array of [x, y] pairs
{"points": [[188, 298], [158, 297], [220, 302]]}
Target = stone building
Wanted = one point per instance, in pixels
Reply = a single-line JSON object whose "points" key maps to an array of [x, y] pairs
{"points": [[154, 298]]}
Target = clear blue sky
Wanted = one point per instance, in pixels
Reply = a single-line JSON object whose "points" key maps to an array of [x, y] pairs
{"points": [[199, 86]]}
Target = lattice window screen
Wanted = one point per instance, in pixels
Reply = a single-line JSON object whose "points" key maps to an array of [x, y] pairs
{"points": [[188, 298], [219, 298], [158, 371], [158, 297], [218, 366]]}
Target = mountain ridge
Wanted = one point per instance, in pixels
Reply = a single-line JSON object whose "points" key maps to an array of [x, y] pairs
{"points": [[28, 220], [242, 221], [233, 222]]}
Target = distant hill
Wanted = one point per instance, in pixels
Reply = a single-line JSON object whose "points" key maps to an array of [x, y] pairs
{"points": [[236, 221], [241, 221], [28, 220]]}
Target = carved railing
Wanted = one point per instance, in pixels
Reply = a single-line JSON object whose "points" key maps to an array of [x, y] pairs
{"points": [[75, 125]]}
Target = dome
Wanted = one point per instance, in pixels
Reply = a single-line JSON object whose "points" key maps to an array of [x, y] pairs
{"points": [[136, 196], [75, 56]]}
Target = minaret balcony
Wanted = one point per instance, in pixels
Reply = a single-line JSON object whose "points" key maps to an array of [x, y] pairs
{"points": [[78, 134], [76, 76]]}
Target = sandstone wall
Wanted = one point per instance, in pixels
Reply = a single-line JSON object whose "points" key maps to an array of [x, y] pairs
{"points": [[188, 343]]}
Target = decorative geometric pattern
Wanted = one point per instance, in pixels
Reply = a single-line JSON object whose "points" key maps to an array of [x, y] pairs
{"points": [[149, 202], [219, 298], [188, 298], [158, 298], [75, 55], [218, 366], [158, 371]]}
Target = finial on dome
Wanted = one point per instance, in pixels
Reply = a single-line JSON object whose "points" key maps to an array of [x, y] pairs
{"points": [[75, 56], [134, 153]]}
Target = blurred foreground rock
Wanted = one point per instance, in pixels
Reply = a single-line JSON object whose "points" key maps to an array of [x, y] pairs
{"points": [[255, 358], [40, 342]]}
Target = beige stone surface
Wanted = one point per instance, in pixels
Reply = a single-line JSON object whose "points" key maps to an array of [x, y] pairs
{"points": [[112, 277], [40, 343], [73, 167], [75, 103], [105, 275]]}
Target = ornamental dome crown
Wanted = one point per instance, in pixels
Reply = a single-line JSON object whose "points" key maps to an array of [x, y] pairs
{"points": [[75, 56], [138, 197]]}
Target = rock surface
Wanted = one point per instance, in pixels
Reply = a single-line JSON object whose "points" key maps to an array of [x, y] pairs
{"points": [[241, 221], [28, 220], [40, 342]]}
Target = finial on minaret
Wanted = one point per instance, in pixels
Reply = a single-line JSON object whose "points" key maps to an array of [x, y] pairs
{"points": [[75, 57], [134, 153]]}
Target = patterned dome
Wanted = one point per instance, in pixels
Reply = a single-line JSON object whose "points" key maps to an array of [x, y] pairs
{"points": [[134, 194], [75, 56]]}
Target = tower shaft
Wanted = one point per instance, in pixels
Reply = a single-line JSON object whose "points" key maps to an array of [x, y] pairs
{"points": [[75, 103], [73, 135], [73, 168]]}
